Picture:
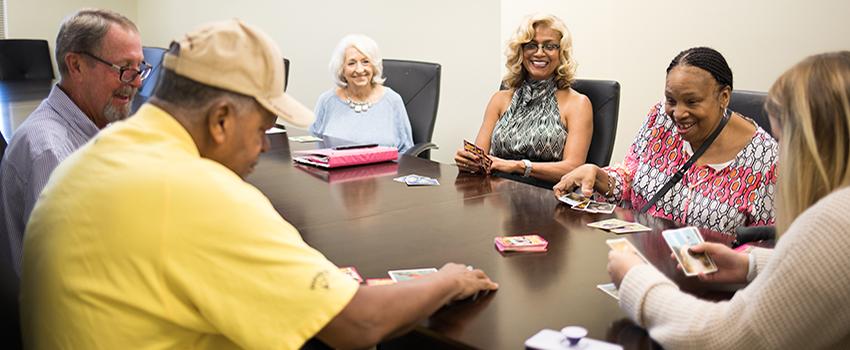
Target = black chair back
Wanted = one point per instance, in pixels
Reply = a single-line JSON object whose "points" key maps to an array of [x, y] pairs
{"points": [[153, 56], [751, 104], [286, 73], [25, 59], [418, 83], [605, 97]]}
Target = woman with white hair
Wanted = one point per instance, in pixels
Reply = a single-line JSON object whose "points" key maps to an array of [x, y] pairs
{"points": [[361, 109]]}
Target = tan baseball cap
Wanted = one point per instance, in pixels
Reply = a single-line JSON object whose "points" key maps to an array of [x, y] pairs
{"points": [[235, 56]]}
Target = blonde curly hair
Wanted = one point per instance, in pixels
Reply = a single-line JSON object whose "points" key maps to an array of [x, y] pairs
{"points": [[564, 75]]}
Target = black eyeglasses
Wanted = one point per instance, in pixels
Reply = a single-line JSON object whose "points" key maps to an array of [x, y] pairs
{"points": [[548, 47], [126, 74]]}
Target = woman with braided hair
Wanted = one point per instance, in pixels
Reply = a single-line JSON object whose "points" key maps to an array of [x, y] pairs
{"points": [[730, 185]]}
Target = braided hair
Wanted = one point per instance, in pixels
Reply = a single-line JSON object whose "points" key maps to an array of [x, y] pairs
{"points": [[707, 59]]}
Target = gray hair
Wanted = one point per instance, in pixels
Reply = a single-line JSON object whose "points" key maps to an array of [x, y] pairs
{"points": [[367, 47], [84, 30]]}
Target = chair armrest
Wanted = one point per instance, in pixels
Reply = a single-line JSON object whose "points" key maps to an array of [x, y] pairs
{"points": [[418, 148]]}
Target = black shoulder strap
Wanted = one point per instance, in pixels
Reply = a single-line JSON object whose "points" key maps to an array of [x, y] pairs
{"points": [[681, 173]]}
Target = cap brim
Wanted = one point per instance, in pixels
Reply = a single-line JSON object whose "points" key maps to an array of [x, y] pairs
{"points": [[288, 109]]}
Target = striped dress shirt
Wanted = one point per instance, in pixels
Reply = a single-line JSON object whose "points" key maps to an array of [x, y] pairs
{"points": [[50, 134]]}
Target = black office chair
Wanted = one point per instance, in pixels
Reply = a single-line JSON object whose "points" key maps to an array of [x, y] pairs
{"points": [[418, 83], [751, 104], [286, 73], [153, 57], [25, 59], [605, 97]]}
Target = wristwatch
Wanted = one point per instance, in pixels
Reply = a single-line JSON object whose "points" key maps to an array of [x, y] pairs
{"points": [[527, 164]]}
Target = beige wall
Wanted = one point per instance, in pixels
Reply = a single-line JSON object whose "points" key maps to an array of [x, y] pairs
{"points": [[633, 41], [460, 35], [628, 41], [40, 19]]}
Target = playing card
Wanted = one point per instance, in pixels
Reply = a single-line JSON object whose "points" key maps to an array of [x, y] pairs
{"points": [[409, 274], [610, 289], [304, 139], [352, 272], [524, 243], [572, 198], [609, 224], [599, 207], [623, 245], [582, 205], [379, 281], [483, 160], [416, 180], [679, 240], [631, 227]]}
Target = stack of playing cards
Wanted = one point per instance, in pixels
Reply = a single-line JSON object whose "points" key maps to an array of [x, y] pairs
{"points": [[484, 161], [679, 241], [579, 202], [409, 274], [526, 243], [417, 180], [619, 226], [352, 272]]}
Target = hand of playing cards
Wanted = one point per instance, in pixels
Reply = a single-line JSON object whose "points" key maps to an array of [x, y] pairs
{"points": [[680, 240], [579, 202], [483, 161]]}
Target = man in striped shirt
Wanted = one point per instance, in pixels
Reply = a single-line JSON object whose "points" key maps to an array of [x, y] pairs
{"points": [[99, 55]]}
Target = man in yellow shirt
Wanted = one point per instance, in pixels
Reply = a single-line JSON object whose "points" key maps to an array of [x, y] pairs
{"points": [[149, 238]]}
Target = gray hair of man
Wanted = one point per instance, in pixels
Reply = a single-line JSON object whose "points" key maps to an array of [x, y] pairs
{"points": [[84, 30], [367, 47]]}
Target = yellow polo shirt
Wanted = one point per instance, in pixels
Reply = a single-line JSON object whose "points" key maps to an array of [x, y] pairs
{"points": [[138, 242]]}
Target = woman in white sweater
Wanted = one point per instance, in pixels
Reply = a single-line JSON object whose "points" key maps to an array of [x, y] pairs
{"points": [[798, 294]]}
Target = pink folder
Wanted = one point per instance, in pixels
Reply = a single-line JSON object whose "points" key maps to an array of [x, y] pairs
{"points": [[334, 158]]}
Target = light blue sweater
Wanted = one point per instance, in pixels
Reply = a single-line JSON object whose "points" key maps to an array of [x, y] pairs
{"points": [[385, 123]]}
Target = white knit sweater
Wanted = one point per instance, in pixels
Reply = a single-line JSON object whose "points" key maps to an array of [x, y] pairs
{"points": [[800, 298]]}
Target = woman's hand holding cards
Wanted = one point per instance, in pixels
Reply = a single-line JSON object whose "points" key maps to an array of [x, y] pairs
{"points": [[583, 177], [732, 266], [620, 263]]}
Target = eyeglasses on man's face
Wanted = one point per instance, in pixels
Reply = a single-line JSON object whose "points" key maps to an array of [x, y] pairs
{"points": [[547, 46], [126, 74]]}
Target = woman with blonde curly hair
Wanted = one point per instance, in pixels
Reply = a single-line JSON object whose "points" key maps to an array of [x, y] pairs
{"points": [[525, 127], [797, 293]]}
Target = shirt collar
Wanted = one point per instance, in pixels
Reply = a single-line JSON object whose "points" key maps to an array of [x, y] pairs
{"points": [[68, 110], [152, 117]]}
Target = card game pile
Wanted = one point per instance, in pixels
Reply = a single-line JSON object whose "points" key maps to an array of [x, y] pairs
{"points": [[679, 241], [526, 243], [484, 161], [304, 139], [579, 202], [395, 275], [417, 180], [619, 226]]}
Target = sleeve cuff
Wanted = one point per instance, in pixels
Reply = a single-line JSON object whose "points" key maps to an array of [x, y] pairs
{"points": [[761, 256], [636, 285], [751, 267]]}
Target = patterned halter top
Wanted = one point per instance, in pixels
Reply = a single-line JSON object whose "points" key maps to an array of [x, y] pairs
{"points": [[531, 127]]}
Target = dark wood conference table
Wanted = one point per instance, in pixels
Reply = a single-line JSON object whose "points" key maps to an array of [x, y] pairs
{"points": [[360, 217]]}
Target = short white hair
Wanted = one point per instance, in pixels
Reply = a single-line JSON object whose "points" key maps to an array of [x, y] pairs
{"points": [[367, 47]]}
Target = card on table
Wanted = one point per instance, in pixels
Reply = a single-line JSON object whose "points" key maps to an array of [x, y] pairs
{"points": [[610, 289], [609, 224], [679, 240], [524, 243], [352, 272], [379, 281], [599, 207], [623, 245], [409, 274], [416, 180], [631, 227], [304, 139]]}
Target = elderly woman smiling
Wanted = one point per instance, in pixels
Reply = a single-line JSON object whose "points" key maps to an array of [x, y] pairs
{"points": [[525, 128], [360, 109]]}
